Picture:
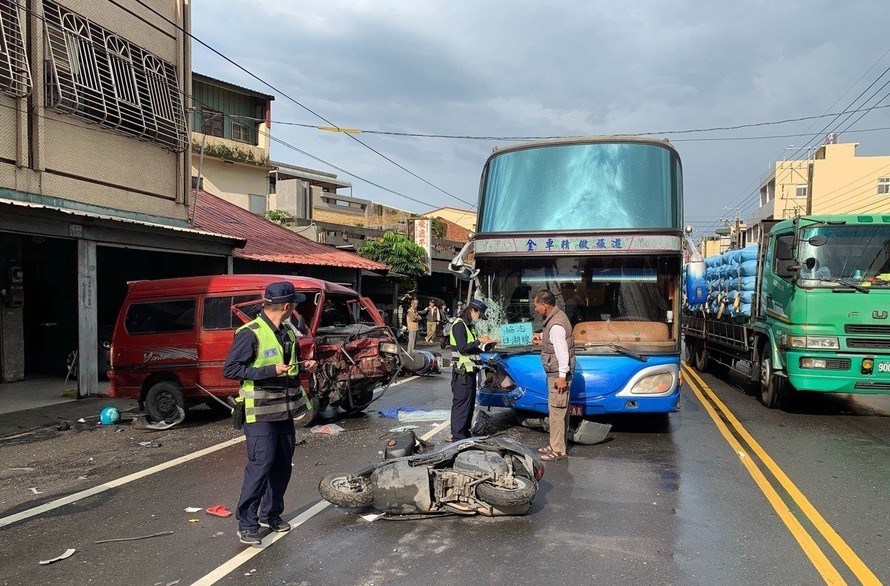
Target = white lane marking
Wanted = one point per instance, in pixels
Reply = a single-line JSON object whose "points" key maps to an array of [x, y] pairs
{"points": [[77, 496], [225, 569], [228, 567], [71, 498]]}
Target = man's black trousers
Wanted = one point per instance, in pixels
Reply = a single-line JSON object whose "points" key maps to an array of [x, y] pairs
{"points": [[270, 450], [463, 389]]}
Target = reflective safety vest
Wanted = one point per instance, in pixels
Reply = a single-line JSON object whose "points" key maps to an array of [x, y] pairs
{"points": [[467, 361], [276, 398]]}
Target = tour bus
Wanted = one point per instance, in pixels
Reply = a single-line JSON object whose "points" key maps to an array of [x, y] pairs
{"points": [[598, 223]]}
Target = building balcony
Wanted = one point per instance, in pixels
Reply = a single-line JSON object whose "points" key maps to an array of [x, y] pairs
{"points": [[230, 150]]}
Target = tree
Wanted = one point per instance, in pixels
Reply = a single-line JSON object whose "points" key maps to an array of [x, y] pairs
{"points": [[401, 253], [440, 228], [279, 216]]}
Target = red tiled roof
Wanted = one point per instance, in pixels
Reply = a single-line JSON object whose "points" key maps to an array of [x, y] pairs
{"points": [[267, 241], [453, 231]]}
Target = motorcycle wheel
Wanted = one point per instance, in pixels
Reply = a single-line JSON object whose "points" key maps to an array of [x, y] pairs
{"points": [[346, 490], [521, 493]]}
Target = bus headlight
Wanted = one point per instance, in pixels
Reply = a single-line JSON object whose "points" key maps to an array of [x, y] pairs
{"points": [[813, 342], [654, 384]]}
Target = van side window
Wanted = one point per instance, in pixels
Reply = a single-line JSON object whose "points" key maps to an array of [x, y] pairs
{"points": [[161, 316], [218, 314]]}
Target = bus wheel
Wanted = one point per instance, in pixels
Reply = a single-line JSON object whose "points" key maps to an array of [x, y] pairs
{"points": [[701, 357]]}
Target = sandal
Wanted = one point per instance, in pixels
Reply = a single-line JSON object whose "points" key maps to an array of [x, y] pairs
{"points": [[545, 450], [554, 456]]}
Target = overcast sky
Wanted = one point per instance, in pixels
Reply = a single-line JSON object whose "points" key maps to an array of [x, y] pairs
{"points": [[534, 68]]}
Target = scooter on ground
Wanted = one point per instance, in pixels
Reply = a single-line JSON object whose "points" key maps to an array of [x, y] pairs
{"points": [[491, 476]]}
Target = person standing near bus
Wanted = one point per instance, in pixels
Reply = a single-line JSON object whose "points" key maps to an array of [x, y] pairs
{"points": [[558, 358], [466, 348], [433, 317], [264, 357], [413, 324]]}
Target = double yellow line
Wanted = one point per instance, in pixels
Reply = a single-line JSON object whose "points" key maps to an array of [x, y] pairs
{"points": [[820, 561]]}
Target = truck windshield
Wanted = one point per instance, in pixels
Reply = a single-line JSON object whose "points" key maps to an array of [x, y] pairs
{"points": [[858, 254], [628, 301], [581, 187]]}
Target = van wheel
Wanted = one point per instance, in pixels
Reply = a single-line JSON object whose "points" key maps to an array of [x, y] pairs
{"points": [[307, 416], [771, 386], [162, 400]]}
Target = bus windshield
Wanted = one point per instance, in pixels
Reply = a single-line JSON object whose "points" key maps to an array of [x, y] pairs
{"points": [[860, 254], [607, 299], [564, 187]]}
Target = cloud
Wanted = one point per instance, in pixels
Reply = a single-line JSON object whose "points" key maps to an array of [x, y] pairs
{"points": [[545, 68]]}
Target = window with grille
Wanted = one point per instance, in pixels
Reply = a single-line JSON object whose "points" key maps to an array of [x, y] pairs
{"points": [[883, 185], [101, 77], [15, 74], [242, 133], [212, 122]]}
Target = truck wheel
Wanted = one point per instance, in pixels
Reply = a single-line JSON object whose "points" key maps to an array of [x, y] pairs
{"points": [[162, 400], [306, 417], [521, 493], [346, 490], [771, 390]]}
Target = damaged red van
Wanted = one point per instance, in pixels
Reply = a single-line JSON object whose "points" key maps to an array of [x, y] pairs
{"points": [[172, 337]]}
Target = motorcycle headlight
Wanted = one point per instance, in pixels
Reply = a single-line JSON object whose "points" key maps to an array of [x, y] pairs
{"points": [[654, 384]]}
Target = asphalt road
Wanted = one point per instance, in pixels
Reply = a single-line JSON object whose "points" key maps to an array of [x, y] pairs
{"points": [[666, 500]]}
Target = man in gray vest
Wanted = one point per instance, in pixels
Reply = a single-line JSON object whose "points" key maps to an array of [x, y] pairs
{"points": [[558, 357]]}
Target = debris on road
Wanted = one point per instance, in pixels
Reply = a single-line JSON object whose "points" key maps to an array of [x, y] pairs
{"points": [[330, 429], [142, 422], [219, 511], [371, 518], [81, 420], [192, 509], [135, 538], [68, 553], [425, 415], [194, 520], [402, 428], [35, 491], [152, 445], [64, 426]]}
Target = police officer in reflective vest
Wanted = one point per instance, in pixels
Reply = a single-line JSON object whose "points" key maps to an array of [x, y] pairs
{"points": [[466, 348], [264, 357]]}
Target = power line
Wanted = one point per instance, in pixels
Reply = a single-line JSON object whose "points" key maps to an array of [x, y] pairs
{"points": [[295, 101]]}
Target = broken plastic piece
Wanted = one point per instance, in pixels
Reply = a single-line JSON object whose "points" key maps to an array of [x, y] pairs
{"points": [[330, 429], [589, 432], [35, 491], [402, 428], [194, 520], [142, 421], [192, 509], [81, 420], [68, 553], [219, 511], [371, 518]]}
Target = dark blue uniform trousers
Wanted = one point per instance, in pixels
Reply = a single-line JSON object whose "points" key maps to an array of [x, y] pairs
{"points": [[270, 450], [463, 387]]}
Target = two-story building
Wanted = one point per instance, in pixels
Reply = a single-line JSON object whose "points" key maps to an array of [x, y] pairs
{"points": [[833, 181], [94, 174], [230, 142]]}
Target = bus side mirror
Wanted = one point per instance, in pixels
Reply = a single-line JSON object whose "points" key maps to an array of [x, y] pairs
{"points": [[696, 284]]}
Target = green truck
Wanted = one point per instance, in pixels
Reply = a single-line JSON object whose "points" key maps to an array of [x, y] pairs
{"points": [[818, 315]]}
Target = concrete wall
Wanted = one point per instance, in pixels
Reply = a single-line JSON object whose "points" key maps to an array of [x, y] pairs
{"points": [[465, 218], [232, 182]]}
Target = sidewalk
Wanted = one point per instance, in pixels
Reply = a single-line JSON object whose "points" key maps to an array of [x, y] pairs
{"points": [[40, 402]]}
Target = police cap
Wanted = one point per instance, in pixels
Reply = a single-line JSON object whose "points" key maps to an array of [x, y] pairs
{"points": [[282, 292]]}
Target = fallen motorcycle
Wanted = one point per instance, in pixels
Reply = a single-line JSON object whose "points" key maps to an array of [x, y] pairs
{"points": [[490, 476]]}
